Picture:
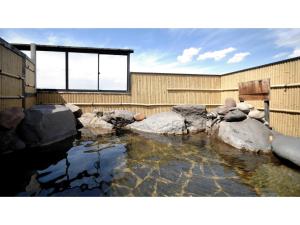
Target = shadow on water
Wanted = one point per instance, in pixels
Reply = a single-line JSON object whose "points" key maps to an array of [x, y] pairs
{"points": [[139, 164]]}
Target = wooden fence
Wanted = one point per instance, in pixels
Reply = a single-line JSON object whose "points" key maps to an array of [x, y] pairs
{"points": [[285, 92], [17, 78], [150, 93]]}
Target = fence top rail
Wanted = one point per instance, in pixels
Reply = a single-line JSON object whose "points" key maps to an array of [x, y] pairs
{"points": [[171, 74], [264, 65], [57, 48]]}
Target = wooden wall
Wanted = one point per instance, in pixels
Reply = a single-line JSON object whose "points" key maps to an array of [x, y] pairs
{"points": [[17, 77], [150, 93], [285, 93]]}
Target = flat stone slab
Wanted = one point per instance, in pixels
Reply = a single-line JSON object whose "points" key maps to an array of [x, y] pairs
{"points": [[248, 134], [161, 123], [47, 124]]}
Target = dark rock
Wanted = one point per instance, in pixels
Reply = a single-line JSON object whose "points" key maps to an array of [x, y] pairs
{"points": [[248, 134], [194, 115], [10, 118], [119, 118], [287, 147], [47, 124], [230, 102], [235, 115], [9, 141], [161, 123], [75, 110]]}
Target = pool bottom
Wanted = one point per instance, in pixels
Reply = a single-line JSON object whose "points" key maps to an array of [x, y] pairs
{"points": [[131, 164]]}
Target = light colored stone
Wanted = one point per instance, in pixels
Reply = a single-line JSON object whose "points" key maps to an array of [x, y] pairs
{"points": [[248, 134], [86, 118], [244, 107], [287, 147], [139, 117], [256, 114], [194, 115], [97, 122], [75, 110], [161, 123], [47, 124], [230, 102], [10, 118], [235, 115]]}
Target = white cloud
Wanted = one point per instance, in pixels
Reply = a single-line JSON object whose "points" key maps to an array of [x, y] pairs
{"points": [[280, 55], [216, 55], [289, 38], [158, 62], [238, 57], [295, 53], [188, 54]]}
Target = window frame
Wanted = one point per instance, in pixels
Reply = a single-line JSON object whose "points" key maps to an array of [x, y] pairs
{"points": [[69, 49]]}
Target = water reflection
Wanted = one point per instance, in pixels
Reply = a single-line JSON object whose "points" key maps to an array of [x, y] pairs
{"points": [[146, 165]]}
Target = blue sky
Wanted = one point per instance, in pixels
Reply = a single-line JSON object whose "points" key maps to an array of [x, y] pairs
{"points": [[177, 50]]}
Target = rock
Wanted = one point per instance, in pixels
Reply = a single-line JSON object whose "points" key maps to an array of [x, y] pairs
{"points": [[97, 122], [161, 123], [47, 124], [9, 141], [10, 118], [230, 102], [256, 114], [235, 115], [95, 126], [119, 118], [139, 117], [223, 110], [248, 134], [75, 110], [287, 147], [86, 118], [212, 115], [194, 115], [244, 107]]}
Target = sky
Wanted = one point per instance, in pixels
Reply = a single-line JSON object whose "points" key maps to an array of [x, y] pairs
{"points": [[197, 51]]}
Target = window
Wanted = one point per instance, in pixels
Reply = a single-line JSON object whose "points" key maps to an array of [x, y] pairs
{"points": [[83, 71], [113, 72], [51, 69], [70, 68]]}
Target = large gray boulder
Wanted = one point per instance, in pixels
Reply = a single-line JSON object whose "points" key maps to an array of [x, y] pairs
{"points": [[10, 118], [119, 118], [161, 123], [47, 124], [194, 115], [287, 147], [248, 134]]}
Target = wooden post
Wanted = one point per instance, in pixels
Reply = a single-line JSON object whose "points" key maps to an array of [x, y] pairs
{"points": [[267, 110], [33, 59], [67, 70]]}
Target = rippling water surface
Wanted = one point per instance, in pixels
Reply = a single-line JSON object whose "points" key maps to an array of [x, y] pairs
{"points": [[146, 165]]}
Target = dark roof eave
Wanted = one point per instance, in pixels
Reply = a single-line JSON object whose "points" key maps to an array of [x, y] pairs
{"points": [[56, 48]]}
